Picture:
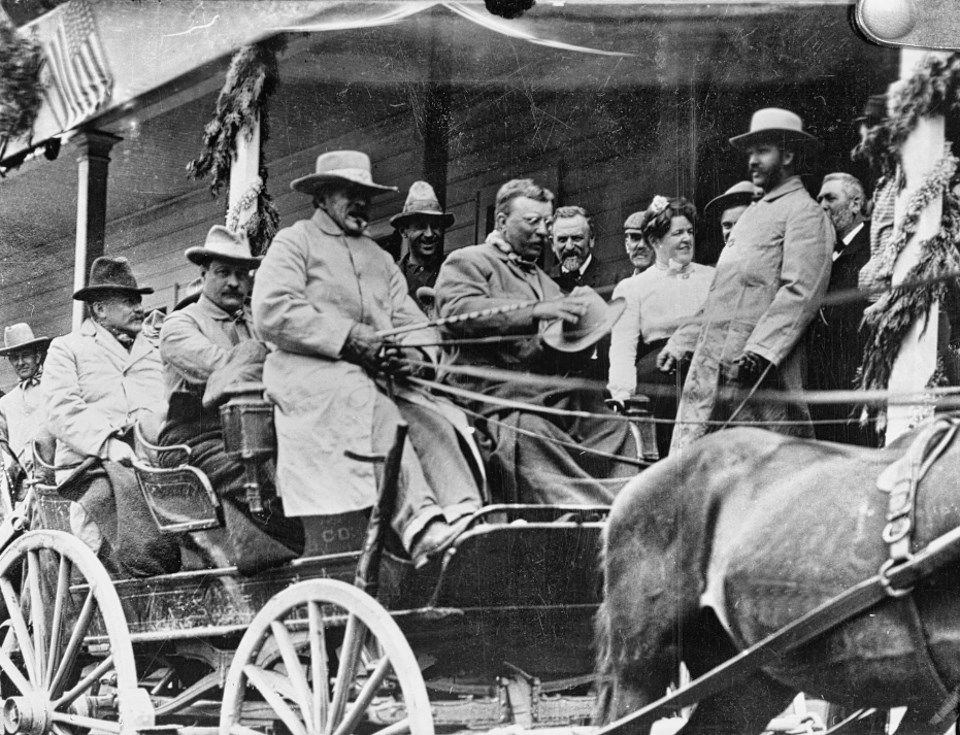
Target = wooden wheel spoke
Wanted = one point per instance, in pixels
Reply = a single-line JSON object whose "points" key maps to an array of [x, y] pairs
{"points": [[319, 667], [295, 672], [266, 683], [349, 654], [87, 722], [20, 629], [56, 623], [401, 727], [85, 683], [37, 614], [73, 644], [11, 670], [359, 706]]}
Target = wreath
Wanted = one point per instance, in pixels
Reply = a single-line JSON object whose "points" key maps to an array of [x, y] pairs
{"points": [[20, 89], [251, 80]]}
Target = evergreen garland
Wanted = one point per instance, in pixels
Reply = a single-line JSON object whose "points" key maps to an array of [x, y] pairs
{"points": [[20, 89], [251, 80]]}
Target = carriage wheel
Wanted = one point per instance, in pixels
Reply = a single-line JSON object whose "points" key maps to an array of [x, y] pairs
{"points": [[284, 662], [66, 663]]}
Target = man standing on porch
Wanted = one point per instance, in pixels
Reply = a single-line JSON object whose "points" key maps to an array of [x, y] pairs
{"points": [[769, 282]]}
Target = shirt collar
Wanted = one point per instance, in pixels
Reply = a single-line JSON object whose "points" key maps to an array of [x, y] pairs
{"points": [[214, 311], [852, 234], [785, 187]]}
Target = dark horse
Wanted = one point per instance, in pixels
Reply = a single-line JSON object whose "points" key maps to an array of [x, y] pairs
{"points": [[719, 546]]}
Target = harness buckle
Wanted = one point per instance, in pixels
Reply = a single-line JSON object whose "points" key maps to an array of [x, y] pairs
{"points": [[885, 579]]}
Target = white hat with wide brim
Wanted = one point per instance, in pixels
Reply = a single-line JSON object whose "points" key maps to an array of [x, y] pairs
{"points": [[352, 167], [773, 123], [593, 326]]}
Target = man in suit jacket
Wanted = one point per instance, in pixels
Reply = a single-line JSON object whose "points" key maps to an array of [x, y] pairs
{"points": [[836, 343], [100, 380], [214, 334]]}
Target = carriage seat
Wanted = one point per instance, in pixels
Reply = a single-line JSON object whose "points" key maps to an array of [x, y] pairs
{"points": [[52, 509], [180, 498]]}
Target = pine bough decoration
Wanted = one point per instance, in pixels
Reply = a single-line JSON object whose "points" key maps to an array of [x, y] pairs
{"points": [[251, 80], [20, 89]]}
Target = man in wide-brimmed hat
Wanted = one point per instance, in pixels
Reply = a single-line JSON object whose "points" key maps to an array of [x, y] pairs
{"points": [[214, 334], [732, 204], [22, 409], [768, 284], [101, 379], [421, 225], [531, 454], [324, 295]]}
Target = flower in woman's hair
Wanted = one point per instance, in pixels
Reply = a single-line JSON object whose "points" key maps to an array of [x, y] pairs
{"points": [[658, 205]]}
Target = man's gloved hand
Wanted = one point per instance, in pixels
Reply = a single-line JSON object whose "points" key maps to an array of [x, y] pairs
{"points": [[363, 347], [750, 367], [393, 362]]}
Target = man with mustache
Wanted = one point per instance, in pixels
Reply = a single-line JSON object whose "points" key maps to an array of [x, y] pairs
{"points": [[324, 295], [214, 335], [421, 225], [532, 457], [768, 284], [640, 253], [101, 379]]}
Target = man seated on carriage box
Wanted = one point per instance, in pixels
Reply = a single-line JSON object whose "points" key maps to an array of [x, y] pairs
{"points": [[100, 379], [324, 295], [213, 334], [533, 457], [22, 409]]}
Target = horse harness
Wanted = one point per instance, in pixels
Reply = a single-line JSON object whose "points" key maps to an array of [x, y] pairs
{"points": [[901, 481], [895, 579]]}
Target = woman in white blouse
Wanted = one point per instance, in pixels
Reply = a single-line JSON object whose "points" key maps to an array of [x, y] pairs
{"points": [[659, 300]]}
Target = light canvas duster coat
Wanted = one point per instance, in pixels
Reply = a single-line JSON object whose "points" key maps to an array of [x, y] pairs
{"points": [[95, 387], [314, 284], [769, 282]]}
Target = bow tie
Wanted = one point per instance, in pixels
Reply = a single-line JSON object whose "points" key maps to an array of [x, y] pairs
{"points": [[30, 382], [238, 317]]}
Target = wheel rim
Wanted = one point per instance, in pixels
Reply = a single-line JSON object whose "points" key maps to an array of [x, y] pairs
{"points": [[52, 681], [299, 694]]}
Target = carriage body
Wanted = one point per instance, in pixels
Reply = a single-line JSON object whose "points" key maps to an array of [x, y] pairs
{"points": [[499, 632]]}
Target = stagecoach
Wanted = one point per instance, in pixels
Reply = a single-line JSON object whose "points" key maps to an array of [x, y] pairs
{"points": [[347, 638]]}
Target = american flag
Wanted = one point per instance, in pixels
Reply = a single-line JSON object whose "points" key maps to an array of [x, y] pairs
{"points": [[77, 79]]}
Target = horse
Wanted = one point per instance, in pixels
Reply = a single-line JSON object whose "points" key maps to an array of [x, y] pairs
{"points": [[715, 548]]}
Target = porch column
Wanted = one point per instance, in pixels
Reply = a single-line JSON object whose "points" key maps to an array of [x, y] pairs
{"points": [[93, 160], [917, 358]]}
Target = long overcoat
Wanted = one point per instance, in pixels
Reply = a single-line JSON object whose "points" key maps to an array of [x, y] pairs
{"points": [[769, 282], [314, 284], [95, 387]]}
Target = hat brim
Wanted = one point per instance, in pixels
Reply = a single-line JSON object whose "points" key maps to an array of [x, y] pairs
{"points": [[555, 338], [201, 256], [308, 184], [725, 201], [777, 134], [398, 219], [40, 343], [90, 293], [186, 301]]}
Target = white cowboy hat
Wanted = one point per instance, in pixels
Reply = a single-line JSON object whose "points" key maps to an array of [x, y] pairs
{"points": [[352, 167], [421, 200], [773, 123], [592, 327], [20, 337], [224, 244], [743, 192]]}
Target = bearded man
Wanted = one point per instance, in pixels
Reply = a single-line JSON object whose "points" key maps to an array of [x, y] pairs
{"points": [[768, 284], [324, 295]]}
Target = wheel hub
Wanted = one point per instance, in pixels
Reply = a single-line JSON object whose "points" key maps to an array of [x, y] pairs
{"points": [[25, 716]]}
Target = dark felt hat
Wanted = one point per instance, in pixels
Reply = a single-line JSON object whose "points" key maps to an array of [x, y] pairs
{"points": [[110, 276]]}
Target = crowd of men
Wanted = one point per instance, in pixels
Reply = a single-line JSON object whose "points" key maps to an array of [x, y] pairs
{"points": [[334, 328]]}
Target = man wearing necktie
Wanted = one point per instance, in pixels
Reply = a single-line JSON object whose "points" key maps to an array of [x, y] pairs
{"points": [[214, 334], [21, 410]]}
